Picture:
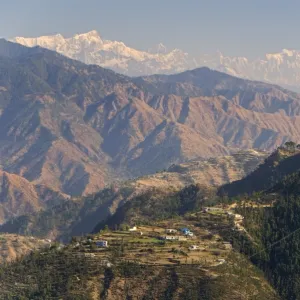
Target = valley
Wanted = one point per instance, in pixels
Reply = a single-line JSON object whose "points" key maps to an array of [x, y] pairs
{"points": [[193, 238], [154, 187], [76, 128]]}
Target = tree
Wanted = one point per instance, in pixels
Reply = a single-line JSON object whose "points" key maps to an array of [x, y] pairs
{"points": [[290, 146]]}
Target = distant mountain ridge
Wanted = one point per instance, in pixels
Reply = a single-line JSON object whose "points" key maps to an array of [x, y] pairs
{"points": [[281, 68]]}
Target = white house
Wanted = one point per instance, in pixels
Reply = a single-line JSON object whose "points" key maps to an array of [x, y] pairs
{"points": [[194, 247], [133, 228], [238, 217], [174, 238], [221, 261], [170, 237]]}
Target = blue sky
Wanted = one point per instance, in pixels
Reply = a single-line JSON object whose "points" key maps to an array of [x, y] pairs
{"points": [[235, 27]]}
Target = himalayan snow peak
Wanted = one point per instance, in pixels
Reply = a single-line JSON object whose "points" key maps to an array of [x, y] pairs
{"points": [[281, 68]]}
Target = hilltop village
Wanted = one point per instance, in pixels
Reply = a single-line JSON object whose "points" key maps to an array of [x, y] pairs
{"points": [[175, 241]]}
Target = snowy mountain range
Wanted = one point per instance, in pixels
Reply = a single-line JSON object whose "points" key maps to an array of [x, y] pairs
{"points": [[281, 68]]}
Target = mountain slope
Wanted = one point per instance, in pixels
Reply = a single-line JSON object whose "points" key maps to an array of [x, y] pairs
{"points": [[271, 222], [279, 164], [76, 127], [81, 215], [85, 275], [211, 172], [141, 266], [18, 196], [13, 247]]}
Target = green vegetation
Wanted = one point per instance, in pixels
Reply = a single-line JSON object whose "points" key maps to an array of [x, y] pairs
{"points": [[283, 162], [273, 242], [80, 271], [156, 205], [136, 262]]}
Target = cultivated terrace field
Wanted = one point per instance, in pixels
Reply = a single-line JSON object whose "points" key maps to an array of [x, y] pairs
{"points": [[137, 259]]}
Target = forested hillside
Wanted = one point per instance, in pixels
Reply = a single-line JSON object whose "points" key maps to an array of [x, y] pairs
{"points": [[138, 267], [282, 162], [265, 237], [272, 243]]}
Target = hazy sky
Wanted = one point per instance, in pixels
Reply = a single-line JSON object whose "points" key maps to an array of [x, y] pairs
{"points": [[235, 27]]}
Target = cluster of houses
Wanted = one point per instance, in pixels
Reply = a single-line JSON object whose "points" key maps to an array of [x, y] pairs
{"points": [[171, 235], [184, 231], [104, 243]]}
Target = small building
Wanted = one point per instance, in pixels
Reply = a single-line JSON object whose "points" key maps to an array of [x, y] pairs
{"points": [[194, 247], [170, 237], [102, 244], [173, 238], [238, 217], [171, 230], [221, 261], [187, 232], [133, 228]]}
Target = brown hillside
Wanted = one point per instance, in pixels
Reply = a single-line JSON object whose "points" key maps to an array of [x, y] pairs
{"points": [[76, 127], [18, 196], [13, 246]]}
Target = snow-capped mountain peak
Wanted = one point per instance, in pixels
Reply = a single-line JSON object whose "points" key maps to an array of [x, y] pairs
{"points": [[92, 36], [92, 49], [282, 68]]}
